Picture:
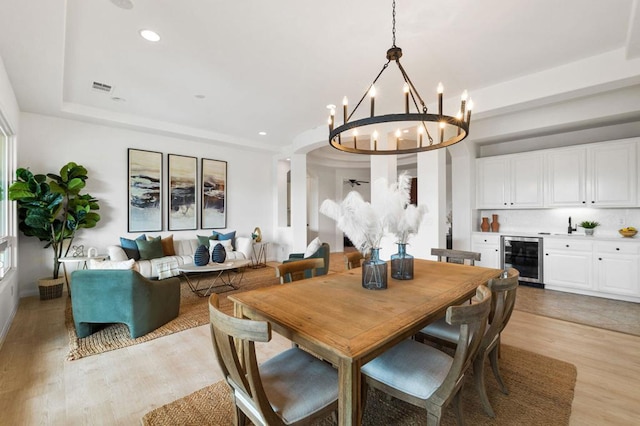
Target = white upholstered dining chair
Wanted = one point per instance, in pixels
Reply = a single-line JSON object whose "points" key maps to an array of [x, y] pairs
{"points": [[292, 388], [425, 376], [503, 291]]}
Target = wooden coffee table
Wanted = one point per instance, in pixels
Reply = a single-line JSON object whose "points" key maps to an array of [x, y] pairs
{"points": [[225, 275]]}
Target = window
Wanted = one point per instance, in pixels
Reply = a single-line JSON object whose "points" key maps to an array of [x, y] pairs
{"points": [[5, 251]]}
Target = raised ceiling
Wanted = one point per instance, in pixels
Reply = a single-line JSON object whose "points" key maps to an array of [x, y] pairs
{"points": [[224, 71]]}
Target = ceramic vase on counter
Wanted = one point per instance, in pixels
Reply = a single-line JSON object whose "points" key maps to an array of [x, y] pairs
{"points": [[484, 226], [495, 226]]}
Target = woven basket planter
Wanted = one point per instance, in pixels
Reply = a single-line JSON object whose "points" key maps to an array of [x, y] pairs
{"points": [[50, 288]]}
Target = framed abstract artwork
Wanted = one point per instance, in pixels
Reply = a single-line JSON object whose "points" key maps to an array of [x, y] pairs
{"points": [[182, 192], [214, 194], [145, 190]]}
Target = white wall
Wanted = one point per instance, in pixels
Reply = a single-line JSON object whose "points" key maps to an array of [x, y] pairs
{"points": [[47, 143]]}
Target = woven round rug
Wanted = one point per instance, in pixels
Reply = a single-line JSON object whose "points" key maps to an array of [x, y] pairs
{"points": [[541, 392]]}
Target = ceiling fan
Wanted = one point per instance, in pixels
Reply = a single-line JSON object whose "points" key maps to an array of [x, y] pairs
{"points": [[354, 182]]}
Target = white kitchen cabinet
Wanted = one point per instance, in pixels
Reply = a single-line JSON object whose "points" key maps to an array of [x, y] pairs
{"points": [[568, 263], [510, 181], [616, 266], [489, 248], [597, 175]]}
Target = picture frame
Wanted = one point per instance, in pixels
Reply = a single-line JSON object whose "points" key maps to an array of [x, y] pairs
{"points": [[213, 206], [182, 201], [145, 188]]}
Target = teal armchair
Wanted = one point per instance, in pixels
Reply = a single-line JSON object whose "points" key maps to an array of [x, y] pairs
{"points": [[323, 252], [122, 296]]}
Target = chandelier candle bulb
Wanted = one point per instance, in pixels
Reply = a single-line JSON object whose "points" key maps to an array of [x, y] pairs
{"points": [[459, 117], [469, 108], [463, 104], [442, 124], [406, 98], [420, 132], [440, 92], [375, 140], [398, 135], [372, 94], [330, 121], [355, 137], [345, 103]]}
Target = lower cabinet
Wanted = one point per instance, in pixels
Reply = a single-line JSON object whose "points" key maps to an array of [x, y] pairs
{"points": [[617, 268], [568, 263], [489, 248]]}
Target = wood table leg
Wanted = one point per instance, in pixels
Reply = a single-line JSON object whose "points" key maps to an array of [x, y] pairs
{"points": [[349, 382]]}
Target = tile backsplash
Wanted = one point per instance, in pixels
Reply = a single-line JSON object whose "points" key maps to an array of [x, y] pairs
{"points": [[557, 220]]}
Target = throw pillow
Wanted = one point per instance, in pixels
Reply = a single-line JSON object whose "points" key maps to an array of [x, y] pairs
{"points": [[205, 240], [228, 236], [313, 247], [227, 245], [167, 246], [150, 249], [130, 247], [111, 264], [219, 254], [201, 256]]}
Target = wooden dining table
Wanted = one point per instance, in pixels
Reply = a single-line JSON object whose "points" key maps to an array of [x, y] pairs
{"points": [[334, 317]]}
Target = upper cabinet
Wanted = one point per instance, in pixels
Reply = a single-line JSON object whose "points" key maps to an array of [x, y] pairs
{"points": [[510, 181], [597, 175], [602, 175]]}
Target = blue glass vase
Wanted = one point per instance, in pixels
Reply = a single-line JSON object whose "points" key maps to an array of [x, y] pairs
{"points": [[374, 272], [402, 264]]}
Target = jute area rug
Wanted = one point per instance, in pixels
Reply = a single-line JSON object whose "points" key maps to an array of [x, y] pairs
{"points": [[541, 392], [194, 311]]}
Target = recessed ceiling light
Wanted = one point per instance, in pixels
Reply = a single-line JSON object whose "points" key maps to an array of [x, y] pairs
{"points": [[199, 96], [262, 133], [123, 4], [118, 99], [149, 35]]}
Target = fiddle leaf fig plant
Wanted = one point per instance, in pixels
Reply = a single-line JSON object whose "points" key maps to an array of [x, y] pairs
{"points": [[51, 208]]}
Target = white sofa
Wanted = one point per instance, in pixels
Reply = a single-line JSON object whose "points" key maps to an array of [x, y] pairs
{"points": [[184, 250]]}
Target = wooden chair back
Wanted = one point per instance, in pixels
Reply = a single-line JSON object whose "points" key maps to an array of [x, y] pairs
{"points": [[503, 291], [455, 256], [241, 371], [293, 271], [472, 320], [353, 259]]}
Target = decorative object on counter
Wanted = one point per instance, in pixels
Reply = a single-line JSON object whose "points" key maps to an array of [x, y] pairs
{"points": [[77, 251], [628, 232], [218, 254], [374, 271], [485, 224], [495, 226], [588, 226], [257, 235], [201, 256], [365, 225], [402, 264]]}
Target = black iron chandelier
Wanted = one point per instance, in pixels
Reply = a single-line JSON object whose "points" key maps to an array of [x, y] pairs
{"points": [[405, 132]]}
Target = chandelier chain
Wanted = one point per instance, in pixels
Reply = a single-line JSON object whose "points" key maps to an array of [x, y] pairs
{"points": [[393, 31]]}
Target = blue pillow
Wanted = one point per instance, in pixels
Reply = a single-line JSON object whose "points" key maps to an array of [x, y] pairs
{"points": [[228, 236], [130, 247]]}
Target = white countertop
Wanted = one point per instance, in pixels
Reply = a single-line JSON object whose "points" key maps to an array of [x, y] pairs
{"points": [[575, 235]]}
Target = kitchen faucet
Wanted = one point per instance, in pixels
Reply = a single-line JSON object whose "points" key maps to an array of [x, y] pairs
{"points": [[570, 230]]}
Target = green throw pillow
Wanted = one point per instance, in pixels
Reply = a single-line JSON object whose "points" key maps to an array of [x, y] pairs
{"points": [[150, 249], [203, 240]]}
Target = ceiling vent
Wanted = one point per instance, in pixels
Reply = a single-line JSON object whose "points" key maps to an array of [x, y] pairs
{"points": [[101, 87]]}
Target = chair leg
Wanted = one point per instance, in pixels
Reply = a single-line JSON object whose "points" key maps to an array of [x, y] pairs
{"points": [[433, 419], [457, 407], [478, 379], [493, 356], [239, 418]]}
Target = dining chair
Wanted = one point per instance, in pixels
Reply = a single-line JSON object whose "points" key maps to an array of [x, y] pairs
{"points": [[293, 271], [292, 388], [455, 256], [503, 292], [428, 377], [353, 259]]}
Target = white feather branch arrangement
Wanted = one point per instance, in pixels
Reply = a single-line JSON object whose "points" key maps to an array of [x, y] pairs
{"points": [[365, 226]]}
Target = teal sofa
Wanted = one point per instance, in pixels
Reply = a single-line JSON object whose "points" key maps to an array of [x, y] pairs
{"points": [[324, 252], [122, 296]]}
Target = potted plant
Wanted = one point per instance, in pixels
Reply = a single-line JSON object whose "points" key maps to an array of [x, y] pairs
{"points": [[588, 226], [51, 208]]}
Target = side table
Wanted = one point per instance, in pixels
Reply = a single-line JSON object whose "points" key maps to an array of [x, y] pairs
{"points": [[77, 260], [259, 258]]}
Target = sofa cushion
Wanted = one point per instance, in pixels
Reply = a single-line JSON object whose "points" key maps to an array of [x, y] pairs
{"points": [[205, 240], [167, 246], [312, 247], [130, 247], [111, 264], [228, 236], [150, 249]]}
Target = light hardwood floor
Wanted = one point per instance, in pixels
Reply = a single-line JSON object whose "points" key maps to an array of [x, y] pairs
{"points": [[38, 386]]}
